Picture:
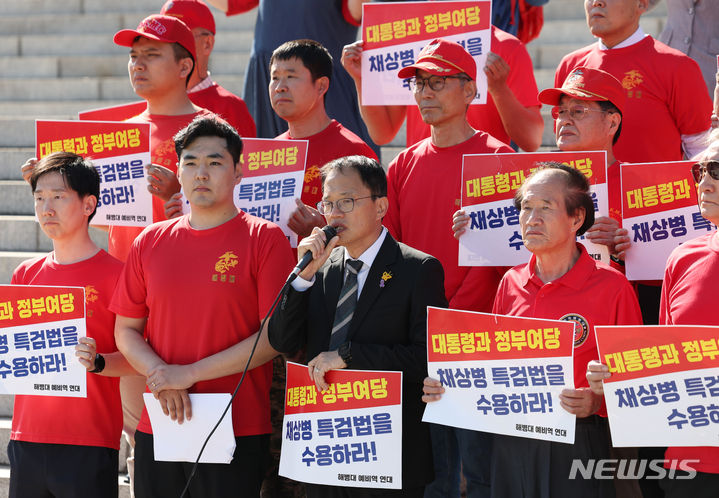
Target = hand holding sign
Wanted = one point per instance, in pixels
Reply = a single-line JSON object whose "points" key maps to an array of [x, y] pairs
{"points": [[162, 182], [27, 168], [173, 207]]}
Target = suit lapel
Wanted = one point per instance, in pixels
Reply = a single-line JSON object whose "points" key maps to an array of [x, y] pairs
{"points": [[371, 290]]}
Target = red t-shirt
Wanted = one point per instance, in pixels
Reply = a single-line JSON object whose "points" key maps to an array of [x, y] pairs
{"points": [[689, 298], [590, 293], [666, 96], [97, 419], [228, 106], [333, 142], [162, 151], [486, 117], [424, 185], [203, 291]]}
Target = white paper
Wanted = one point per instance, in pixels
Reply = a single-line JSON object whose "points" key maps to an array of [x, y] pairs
{"points": [[175, 442]]}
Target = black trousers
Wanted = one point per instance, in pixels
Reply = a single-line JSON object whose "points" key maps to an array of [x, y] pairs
{"points": [[41, 470], [242, 477]]}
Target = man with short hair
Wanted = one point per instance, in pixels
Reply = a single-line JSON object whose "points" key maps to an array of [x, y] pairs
{"points": [[364, 306], [300, 76], [424, 186], [60, 446], [667, 111], [201, 89], [201, 318], [560, 282]]}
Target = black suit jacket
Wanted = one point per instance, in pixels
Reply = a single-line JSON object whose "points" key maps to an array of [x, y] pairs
{"points": [[388, 331]]}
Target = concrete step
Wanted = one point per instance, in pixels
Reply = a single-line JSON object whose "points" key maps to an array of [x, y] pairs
{"points": [[16, 198], [6, 405], [11, 158], [85, 88], [61, 44], [23, 233], [9, 260], [53, 66]]}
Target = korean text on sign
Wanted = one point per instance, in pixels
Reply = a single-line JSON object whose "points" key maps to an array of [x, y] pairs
{"points": [[348, 435], [501, 374]]}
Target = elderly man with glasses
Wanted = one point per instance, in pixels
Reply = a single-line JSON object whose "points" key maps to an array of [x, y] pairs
{"points": [[689, 298], [424, 185], [363, 305]]}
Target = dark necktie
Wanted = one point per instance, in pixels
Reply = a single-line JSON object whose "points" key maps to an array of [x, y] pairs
{"points": [[346, 304]]}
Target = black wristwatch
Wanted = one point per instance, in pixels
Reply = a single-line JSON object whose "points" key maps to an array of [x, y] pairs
{"points": [[99, 364], [345, 352]]}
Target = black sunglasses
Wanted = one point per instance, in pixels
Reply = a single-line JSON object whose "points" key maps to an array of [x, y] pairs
{"points": [[702, 168]]}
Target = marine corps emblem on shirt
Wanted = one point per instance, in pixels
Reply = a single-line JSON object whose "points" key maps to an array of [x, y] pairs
{"points": [[224, 264], [631, 80], [581, 329], [91, 295]]}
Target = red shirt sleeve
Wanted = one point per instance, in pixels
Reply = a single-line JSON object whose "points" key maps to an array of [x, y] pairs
{"points": [[391, 219], [275, 261], [130, 294], [689, 102], [347, 15], [240, 6]]}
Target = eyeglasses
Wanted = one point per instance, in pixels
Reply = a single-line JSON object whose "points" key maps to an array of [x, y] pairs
{"points": [[345, 205], [700, 169], [576, 112], [436, 83]]}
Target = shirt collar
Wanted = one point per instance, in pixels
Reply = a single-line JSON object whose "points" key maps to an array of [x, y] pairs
{"points": [[370, 253], [574, 278], [638, 36], [206, 83]]}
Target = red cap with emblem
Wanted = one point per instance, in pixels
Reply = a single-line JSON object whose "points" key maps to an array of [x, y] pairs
{"points": [[194, 13], [166, 29], [442, 58], [587, 84]]}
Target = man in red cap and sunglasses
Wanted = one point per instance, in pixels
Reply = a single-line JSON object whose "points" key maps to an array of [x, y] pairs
{"points": [[424, 183], [688, 298]]}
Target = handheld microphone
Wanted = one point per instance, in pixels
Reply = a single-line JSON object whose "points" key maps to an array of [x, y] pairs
{"points": [[330, 232]]}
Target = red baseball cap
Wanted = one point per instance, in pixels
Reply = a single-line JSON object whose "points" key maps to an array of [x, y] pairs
{"points": [[166, 29], [442, 58], [587, 84], [194, 13]]}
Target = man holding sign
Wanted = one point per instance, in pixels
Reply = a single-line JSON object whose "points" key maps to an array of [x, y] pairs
{"points": [[561, 281], [201, 318], [62, 446], [688, 298], [424, 189], [364, 306]]}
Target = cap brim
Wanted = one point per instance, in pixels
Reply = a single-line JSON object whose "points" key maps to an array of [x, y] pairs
{"points": [[126, 37], [551, 96], [429, 66]]}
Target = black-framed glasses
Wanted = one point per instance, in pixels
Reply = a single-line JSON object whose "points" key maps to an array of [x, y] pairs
{"points": [[575, 112], [700, 169], [436, 83], [345, 205]]}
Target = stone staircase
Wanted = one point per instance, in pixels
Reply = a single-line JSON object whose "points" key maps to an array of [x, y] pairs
{"points": [[57, 58]]}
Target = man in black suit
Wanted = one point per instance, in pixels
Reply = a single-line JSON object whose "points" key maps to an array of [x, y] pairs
{"points": [[391, 284]]}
